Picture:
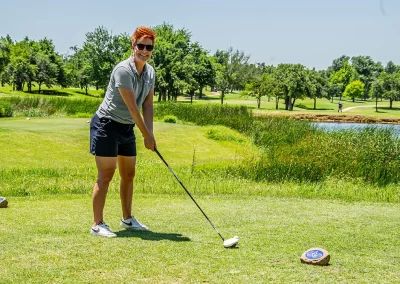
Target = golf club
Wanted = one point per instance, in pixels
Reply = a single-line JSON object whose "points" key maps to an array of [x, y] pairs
{"points": [[229, 243]]}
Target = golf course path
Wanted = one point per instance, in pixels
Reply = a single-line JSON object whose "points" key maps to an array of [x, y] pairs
{"points": [[350, 108]]}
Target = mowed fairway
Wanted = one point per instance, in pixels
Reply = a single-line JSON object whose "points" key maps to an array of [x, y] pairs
{"points": [[47, 173]]}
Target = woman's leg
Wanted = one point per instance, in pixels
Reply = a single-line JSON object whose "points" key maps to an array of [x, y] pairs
{"points": [[126, 167], [105, 168]]}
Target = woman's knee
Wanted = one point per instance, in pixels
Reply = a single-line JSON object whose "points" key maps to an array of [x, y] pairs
{"points": [[128, 175], [105, 176]]}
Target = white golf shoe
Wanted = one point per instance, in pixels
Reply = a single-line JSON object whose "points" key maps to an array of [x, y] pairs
{"points": [[133, 224], [102, 230]]}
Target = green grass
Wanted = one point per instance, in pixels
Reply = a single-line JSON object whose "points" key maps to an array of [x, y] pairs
{"points": [[54, 91], [51, 155], [47, 175], [46, 240], [306, 106]]}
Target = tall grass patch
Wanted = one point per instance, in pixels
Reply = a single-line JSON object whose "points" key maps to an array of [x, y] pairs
{"points": [[297, 151], [371, 155], [236, 117], [290, 151], [46, 106]]}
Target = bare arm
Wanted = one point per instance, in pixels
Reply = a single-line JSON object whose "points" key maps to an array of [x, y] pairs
{"points": [[145, 125], [148, 112]]}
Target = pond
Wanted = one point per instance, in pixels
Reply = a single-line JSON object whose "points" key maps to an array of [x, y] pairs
{"points": [[330, 126]]}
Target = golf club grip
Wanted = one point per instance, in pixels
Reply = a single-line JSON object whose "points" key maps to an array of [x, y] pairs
{"points": [[191, 197]]}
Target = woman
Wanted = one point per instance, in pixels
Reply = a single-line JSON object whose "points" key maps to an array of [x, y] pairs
{"points": [[112, 138]]}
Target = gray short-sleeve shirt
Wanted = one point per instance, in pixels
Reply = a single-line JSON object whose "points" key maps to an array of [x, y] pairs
{"points": [[125, 75]]}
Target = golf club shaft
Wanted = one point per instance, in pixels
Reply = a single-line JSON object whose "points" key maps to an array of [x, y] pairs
{"points": [[161, 157]]}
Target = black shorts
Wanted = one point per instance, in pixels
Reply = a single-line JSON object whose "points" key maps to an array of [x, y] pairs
{"points": [[109, 138]]}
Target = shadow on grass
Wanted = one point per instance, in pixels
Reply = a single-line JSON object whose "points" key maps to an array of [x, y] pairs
{"points": [[88, 94], [152, 236], [388, 108], [50, 92], [312, 108], [203, 98]]}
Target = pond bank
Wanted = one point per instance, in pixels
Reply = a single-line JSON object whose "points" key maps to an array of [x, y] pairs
{"points": [[336, 118]]}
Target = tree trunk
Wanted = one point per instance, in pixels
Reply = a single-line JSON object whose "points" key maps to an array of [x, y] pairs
{"points": [[315, 103], [40, 86], [19, 86], [30, 87], [201, 91], [191, 96], [376, 104], [291, 104], [391, 103], [159, 95], [222, 96], [287, 103], [276, 103], [258, 102], [366, 89]]}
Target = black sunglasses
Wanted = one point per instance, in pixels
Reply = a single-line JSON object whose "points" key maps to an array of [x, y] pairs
{"points": [[148, 47]]}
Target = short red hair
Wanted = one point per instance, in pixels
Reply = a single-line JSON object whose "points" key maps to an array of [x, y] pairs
{"points": [[143, 32]]}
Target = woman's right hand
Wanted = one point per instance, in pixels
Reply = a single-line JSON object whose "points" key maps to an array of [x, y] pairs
{"points": [[150, 142]]}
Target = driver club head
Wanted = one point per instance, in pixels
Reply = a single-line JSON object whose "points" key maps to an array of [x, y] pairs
{"points": [[232, 242]]}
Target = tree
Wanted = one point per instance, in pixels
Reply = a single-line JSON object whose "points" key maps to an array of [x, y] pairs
{"points": [[5, 50], [22, 66], [238, 65], [253, 89], [337, 64], [102, 51], [187, 73], [367, 71], [377, 91], [46, 72], [293, 83], [204, 73], [343, 76], [172, 47], [318, 86], [223, 77], [391, 68], [233, 73], [354, 90], [269, 87], [334, 90], [390, 84]]}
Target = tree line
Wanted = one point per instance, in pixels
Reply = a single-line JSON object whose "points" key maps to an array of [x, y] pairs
{"points": [[185, 68]]}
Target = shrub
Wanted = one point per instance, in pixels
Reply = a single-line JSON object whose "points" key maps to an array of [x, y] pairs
{"points": [[6, 109], [170, 118], [222, 133]]}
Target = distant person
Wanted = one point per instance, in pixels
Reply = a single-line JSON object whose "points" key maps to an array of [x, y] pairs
{"points": [[340, 106], [112, 137]]}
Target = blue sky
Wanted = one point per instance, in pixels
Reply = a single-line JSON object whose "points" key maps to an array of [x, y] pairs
{"points": [[312, 32]]}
